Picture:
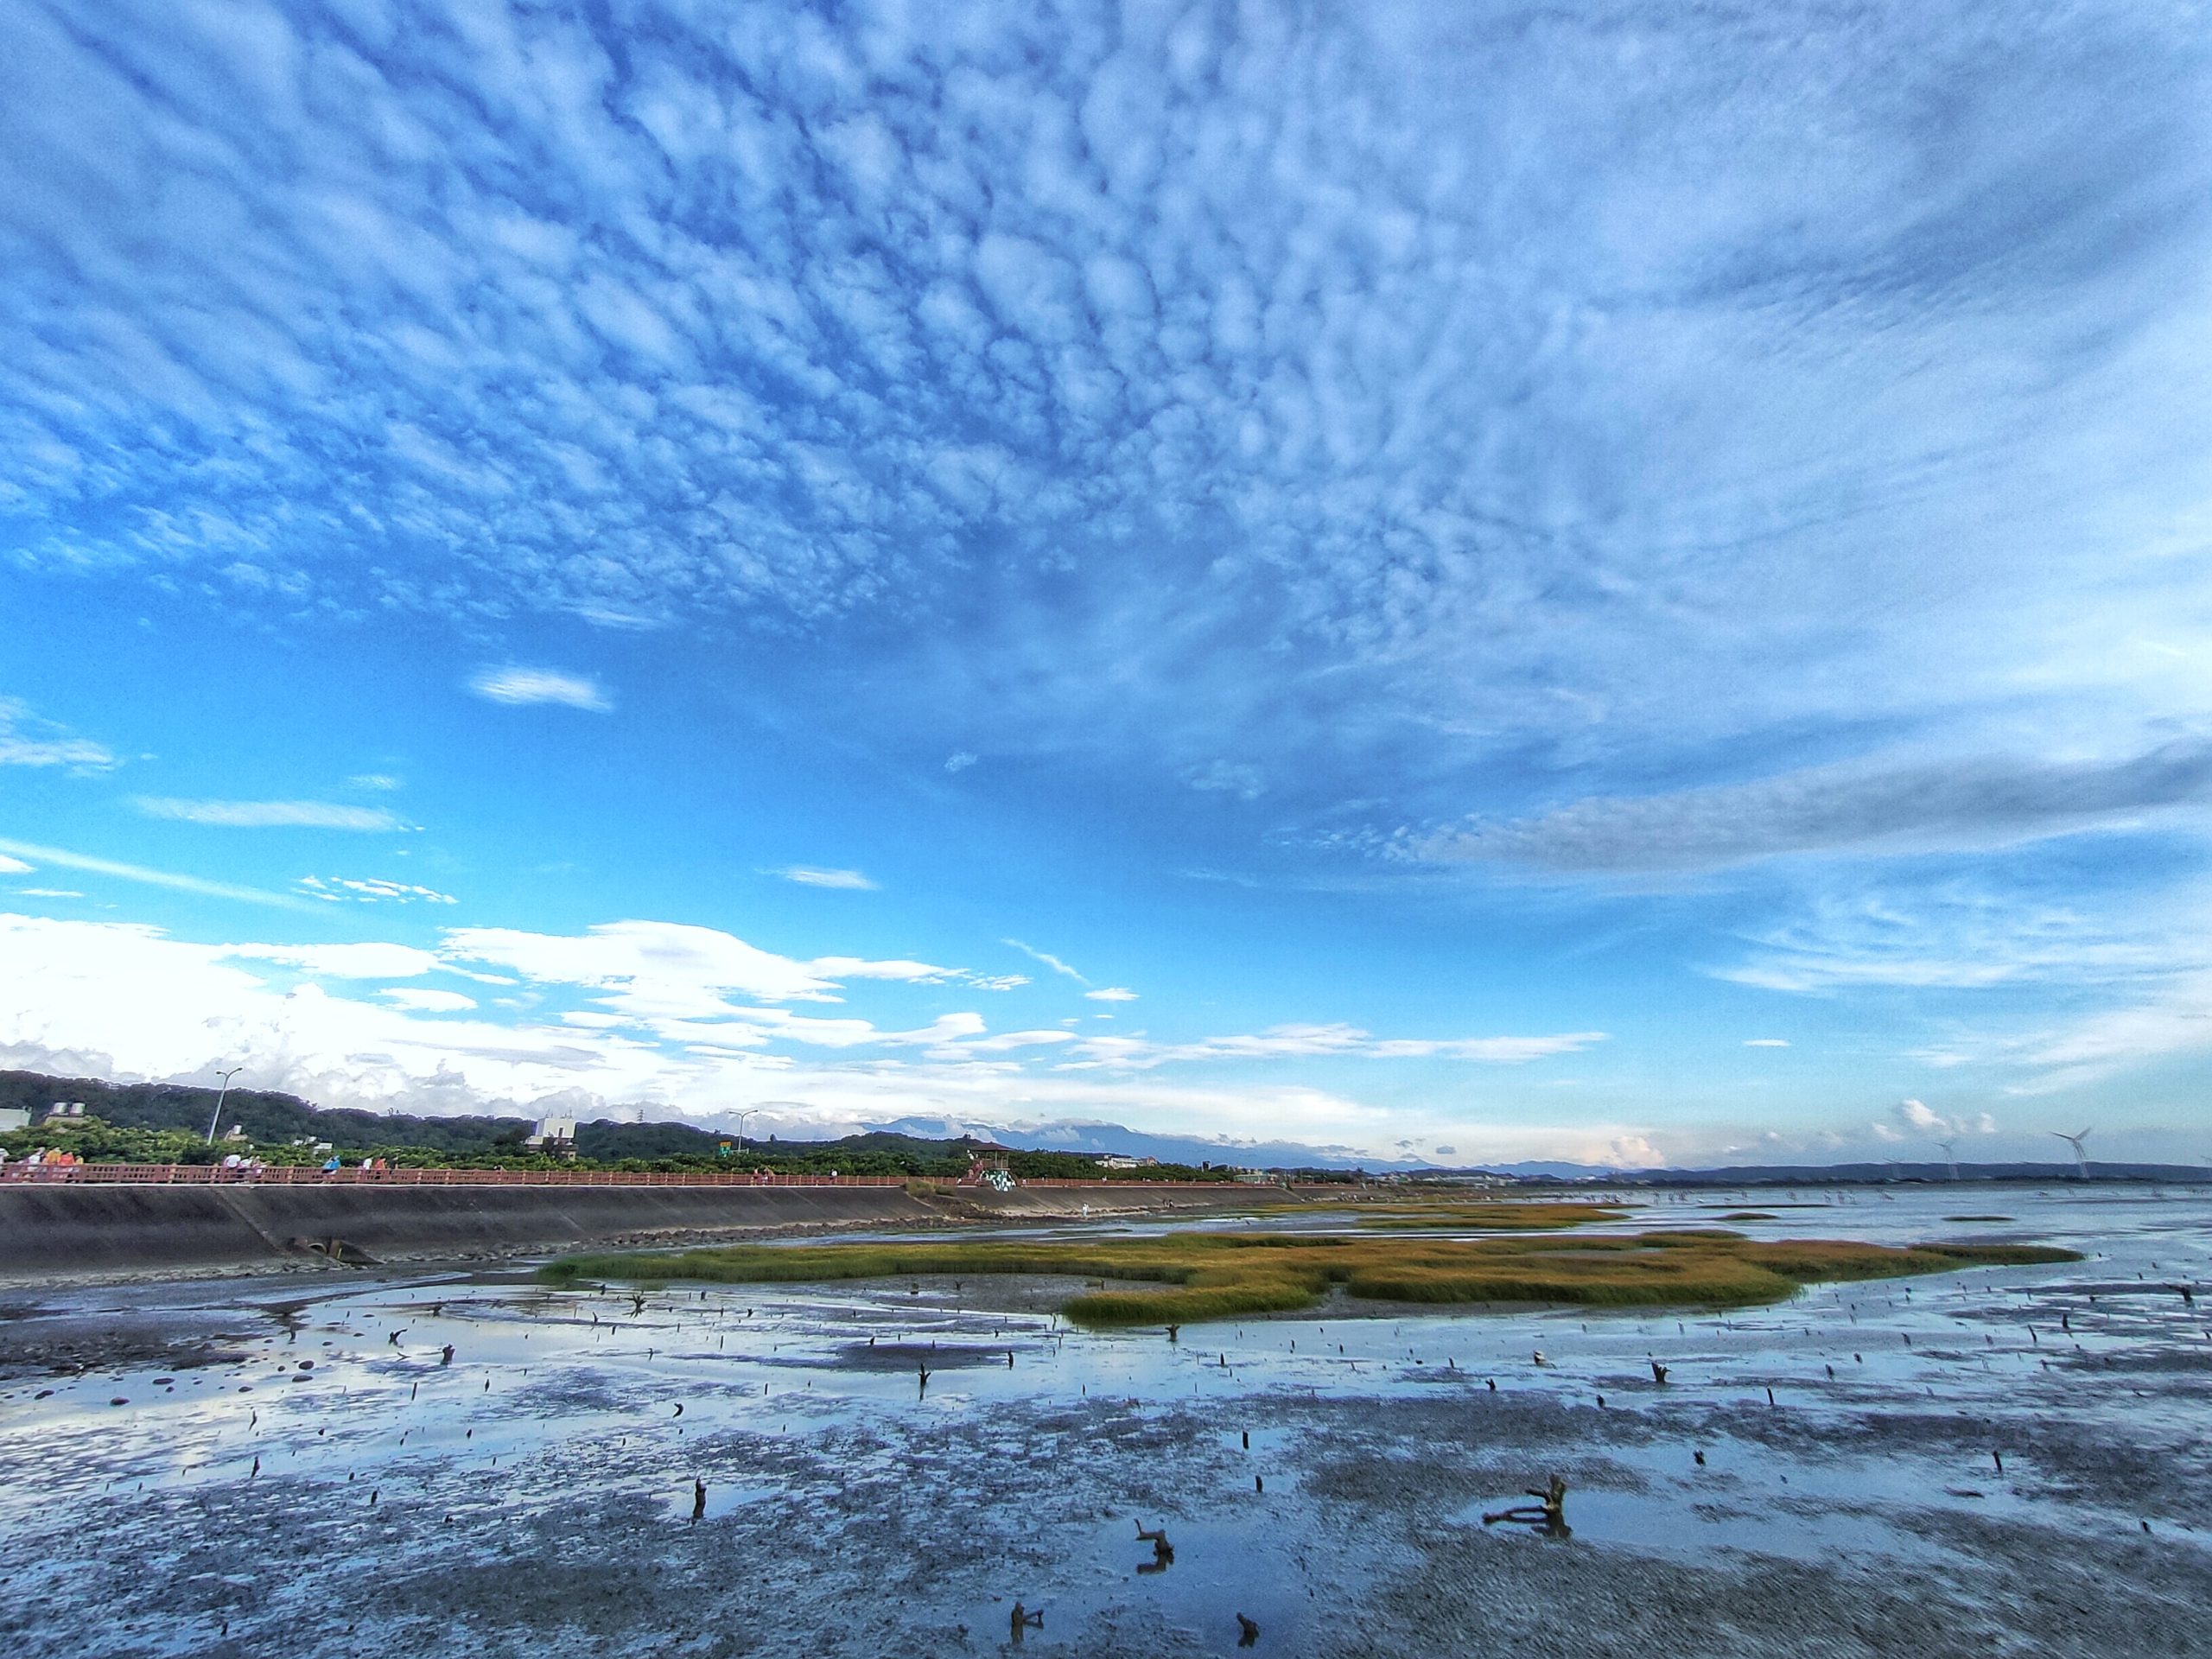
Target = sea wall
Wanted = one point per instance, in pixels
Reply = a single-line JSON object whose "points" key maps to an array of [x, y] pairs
{"points": [[61, 1231]]}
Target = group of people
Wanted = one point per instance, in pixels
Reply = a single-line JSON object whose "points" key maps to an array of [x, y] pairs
{"points": [[38, 1158], [331, 1165], [234, 1166]]}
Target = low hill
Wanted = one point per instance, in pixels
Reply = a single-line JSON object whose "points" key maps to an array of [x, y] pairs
{"points": [[277, 1119], [274, 1121]]}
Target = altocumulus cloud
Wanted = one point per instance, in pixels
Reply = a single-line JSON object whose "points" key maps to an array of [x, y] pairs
{"points": [[528, 685], [1408, 358]]}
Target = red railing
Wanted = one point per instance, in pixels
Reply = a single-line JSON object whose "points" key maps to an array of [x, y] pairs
{"points": [[315, 1175], [1077, 1180]]}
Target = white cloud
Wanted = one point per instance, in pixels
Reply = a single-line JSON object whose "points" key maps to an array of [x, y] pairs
{"points": [[674, 970], [1008, 1041], [652, 967], [337, 889], [14, 866], [271, 815], [365, 961], [1630, 1151], [960, 760], [419, 1000], [194, 1006], [1923, 1119], [2134, 974], [1047, 959], [1236, 777], [139, 874], [858, 1033], [1903, 805], [1917, 1116], [912, 973], [2177, 1020], [1111, 994], [809, 875], [26, 740], [528, 685], [1965, 935], [1182, 315], [376, 780], [1766, 1042], [1311, 1041], [50, 893]]}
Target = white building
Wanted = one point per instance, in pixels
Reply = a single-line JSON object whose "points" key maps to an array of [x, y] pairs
{"points": [[556, 1135]]}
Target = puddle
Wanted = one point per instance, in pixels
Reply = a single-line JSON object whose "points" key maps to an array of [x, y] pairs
{"points": [[724, 1499], [1682, 1526], [1221, 1568]]}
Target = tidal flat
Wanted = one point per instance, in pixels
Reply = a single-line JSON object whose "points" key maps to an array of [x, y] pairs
{"points": [[2001, 1458]]}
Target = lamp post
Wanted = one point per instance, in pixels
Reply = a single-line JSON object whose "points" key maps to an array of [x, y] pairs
{"points": [[741, 1118], [218, 1115]]}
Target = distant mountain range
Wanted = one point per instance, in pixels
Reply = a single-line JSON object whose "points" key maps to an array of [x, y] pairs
{"points": [[1113, 1138], [1290, 1154], [270, 1116]]}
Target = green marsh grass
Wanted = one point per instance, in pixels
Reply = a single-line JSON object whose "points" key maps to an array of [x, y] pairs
{"points": [[1489, 1218], [1187, 1278]]}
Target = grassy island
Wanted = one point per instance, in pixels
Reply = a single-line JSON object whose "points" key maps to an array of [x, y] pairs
{"points": [[1184, 1278], [1509, 1216]]}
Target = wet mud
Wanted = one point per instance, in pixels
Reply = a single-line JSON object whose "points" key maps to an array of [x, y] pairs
{"points": [[2004, 1461]]}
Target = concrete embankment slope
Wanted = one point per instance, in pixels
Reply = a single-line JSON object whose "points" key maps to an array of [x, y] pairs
{"points": [[52, 1231]]}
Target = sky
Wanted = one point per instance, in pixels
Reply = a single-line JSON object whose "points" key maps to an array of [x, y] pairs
{"points": [[1623, 583]]}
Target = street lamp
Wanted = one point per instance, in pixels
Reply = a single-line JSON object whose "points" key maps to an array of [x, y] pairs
{"points": [[741, 1116], [219, 1093]]}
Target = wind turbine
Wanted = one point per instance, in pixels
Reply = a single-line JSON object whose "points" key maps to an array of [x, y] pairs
{"points": [[1950, 1154], [2081, 1158]]}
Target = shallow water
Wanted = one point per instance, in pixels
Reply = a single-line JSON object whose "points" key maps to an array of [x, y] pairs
{"points": [[807, 1413]]}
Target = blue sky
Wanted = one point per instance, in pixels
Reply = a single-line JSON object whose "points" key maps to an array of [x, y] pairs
{"points": [[1474, 582]]}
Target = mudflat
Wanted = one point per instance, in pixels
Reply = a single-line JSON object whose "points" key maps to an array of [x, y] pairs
{"points": [[2006, 1458]]}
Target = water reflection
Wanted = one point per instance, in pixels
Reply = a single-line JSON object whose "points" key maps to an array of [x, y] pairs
{"points": [[1546, 1517], [1163, 1553]]}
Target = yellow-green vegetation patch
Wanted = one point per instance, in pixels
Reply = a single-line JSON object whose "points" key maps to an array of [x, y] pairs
{"points": [[1506, 1217], [1184, 1278]]}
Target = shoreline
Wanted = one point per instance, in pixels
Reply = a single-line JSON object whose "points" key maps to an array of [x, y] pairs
{"points": [[60, 1235]]}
